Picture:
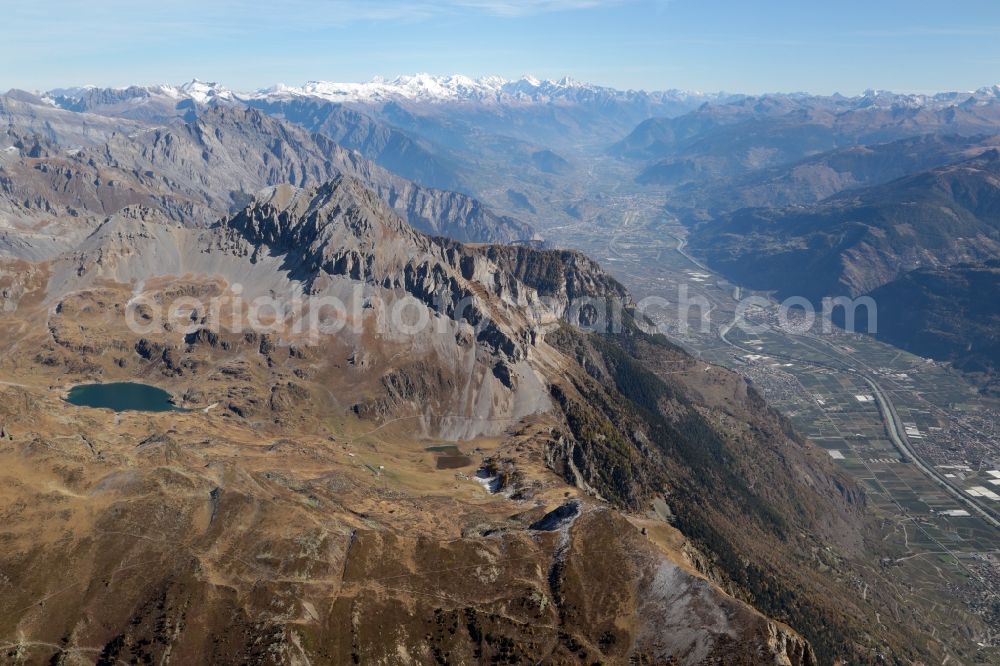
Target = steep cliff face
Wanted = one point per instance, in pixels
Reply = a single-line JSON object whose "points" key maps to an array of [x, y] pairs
{"points": [[557, 272], [343, 229], [32, 115], [379, 142], [443, 305], [645, 423]]}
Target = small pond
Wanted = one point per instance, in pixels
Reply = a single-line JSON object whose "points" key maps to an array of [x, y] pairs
{"points": [[449, 457], [122, 396]]}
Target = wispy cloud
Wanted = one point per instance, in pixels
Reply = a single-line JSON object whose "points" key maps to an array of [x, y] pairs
{"points": [[528, 7], [930, 31], [143, 19], [289, 11]]}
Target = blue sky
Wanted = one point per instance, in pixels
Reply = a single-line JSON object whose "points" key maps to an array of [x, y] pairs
{"points": [[734, 45]]}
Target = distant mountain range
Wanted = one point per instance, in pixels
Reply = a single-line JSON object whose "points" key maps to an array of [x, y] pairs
{"points": [[857, 240], [415, 88], [891, 195], [807, 194], [442, 132], [436, 129], [735, 137], [194, 172], [812, 179], [524, 90]]}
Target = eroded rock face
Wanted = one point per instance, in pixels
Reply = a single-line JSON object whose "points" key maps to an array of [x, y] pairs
{"points": [[199, 172], [482, 325]]}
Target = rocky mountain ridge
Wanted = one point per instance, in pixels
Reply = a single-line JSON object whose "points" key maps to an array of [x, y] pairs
{"points": [[491, 458], [199, 171]]}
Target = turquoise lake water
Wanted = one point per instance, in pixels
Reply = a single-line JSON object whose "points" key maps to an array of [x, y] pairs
{"points": [[122, 396]]}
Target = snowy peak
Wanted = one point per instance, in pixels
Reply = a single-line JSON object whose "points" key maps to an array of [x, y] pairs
{"points": [[423, 87], [196, 90], [199, 91], [454, 88], [204, 92], [414, 88], [531, 90], [417, 87], [490, 90]]}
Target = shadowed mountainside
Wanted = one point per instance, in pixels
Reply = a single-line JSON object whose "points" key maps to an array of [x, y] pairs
{"points": [[856, 241], [950, 314]]}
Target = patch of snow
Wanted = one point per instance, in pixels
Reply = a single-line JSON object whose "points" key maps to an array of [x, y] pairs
{"points": [[490, 483], [203, 92], [457, 88]]}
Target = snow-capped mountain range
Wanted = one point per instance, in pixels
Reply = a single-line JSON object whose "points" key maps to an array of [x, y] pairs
{"points": [[486, 90], [404, 113], [199, 91], [458, 88], [413, 88]]}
